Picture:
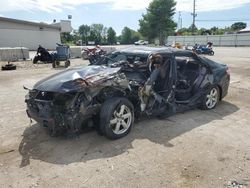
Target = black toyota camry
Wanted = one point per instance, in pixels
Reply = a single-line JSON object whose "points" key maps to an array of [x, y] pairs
{"points": [[110, 94]]}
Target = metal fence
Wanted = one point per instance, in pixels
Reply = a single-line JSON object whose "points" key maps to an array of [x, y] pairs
{"points": [[217, 40]]}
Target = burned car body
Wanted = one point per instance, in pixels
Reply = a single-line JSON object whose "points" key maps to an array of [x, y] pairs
{"points": [[109, 94]]}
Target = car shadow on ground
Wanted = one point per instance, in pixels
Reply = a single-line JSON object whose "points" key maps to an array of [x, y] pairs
{"points": [[37, 144]]}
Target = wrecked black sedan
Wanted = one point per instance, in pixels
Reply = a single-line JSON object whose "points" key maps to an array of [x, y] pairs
{"points": [[112, 93]]}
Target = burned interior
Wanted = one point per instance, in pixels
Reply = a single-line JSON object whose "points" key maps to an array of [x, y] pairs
{"points": [[114, 91]]}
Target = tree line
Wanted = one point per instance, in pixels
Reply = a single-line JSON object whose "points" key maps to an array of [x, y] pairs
{"points": [[156, 23], [99, 34], [213, 30]]}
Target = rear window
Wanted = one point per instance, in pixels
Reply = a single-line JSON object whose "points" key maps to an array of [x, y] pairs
{"points": [[210, 63]]}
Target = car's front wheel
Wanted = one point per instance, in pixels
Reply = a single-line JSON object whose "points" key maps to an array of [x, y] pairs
{"points": [[211, 98], [116, 117]]}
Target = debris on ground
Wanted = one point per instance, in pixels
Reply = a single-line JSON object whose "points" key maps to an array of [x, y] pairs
{"points": [[9, 66], [236, 184]]}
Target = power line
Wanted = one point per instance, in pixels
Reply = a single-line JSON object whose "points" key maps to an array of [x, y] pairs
{"points": [[229, 20]]}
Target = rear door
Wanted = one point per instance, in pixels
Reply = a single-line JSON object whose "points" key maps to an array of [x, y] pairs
{"points": [[170, 84]]}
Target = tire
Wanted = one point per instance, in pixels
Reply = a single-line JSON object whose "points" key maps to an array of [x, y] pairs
{"points": [[9, 67], [211, 53], [85, 55], [53, 64], [35, 60], [211, 98], [121, 112], [67, 64]]}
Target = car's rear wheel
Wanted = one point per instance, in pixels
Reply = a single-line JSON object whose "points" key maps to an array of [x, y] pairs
{"points": [[211, 98], [116, 118]]}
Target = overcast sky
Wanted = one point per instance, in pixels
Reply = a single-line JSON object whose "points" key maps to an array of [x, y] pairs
{"points": [[120, 13]]}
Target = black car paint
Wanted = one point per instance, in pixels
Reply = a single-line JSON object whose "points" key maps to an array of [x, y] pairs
{"points": [[85, 86], [66, 81]]}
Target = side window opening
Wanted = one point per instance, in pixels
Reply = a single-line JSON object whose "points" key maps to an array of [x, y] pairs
{"points": [[187, 69], [188, 76]]}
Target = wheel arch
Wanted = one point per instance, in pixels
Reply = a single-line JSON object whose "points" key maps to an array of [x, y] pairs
{"points": [[220, 91], [109, 92]]}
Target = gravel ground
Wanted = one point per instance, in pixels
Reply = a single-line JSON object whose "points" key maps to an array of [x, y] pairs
{"points": [[192, 149]]}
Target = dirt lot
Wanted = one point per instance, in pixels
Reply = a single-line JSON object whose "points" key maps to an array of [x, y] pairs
{"points": [[193, 149]]}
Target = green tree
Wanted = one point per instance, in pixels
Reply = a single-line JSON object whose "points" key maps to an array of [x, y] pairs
{"points": [[238, 26], [135, 36], [158, 20], [70, 38], [184, 31], [214, 30], [93, 36], [84, 32], [97, 31], [66, 37], [111, 36], [76, 36], [104, 35], [217, 31], [193, 29], [204, 31], [126, 37]]}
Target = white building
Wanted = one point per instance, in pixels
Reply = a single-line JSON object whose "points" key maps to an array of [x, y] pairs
{"points": [[246, 30], [20, 33]]}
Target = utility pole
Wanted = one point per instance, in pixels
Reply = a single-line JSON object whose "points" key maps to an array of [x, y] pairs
{"points": [[179, 21], [194, 15]]}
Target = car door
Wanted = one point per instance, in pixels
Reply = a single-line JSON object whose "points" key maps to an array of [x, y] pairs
{"points": [[169, 85]]}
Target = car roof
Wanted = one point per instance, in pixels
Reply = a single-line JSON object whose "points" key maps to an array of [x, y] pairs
{"points": [[146, 50]]}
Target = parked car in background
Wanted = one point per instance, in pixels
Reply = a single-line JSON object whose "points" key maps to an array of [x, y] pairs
{"points": [[141, 42], [109, 95]]}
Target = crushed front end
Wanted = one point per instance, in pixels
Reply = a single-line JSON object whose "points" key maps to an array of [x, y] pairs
{"points": [[60, 112], [70, 100]]}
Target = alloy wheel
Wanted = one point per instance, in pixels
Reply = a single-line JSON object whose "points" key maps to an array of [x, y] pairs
{"points": [[212, 98], [121, 120]]}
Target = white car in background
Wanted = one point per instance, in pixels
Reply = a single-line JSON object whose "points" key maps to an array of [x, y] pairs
{"points": [[141, 42]]}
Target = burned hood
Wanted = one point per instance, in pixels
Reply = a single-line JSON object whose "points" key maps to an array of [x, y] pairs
{"points": [[76, 79]]}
